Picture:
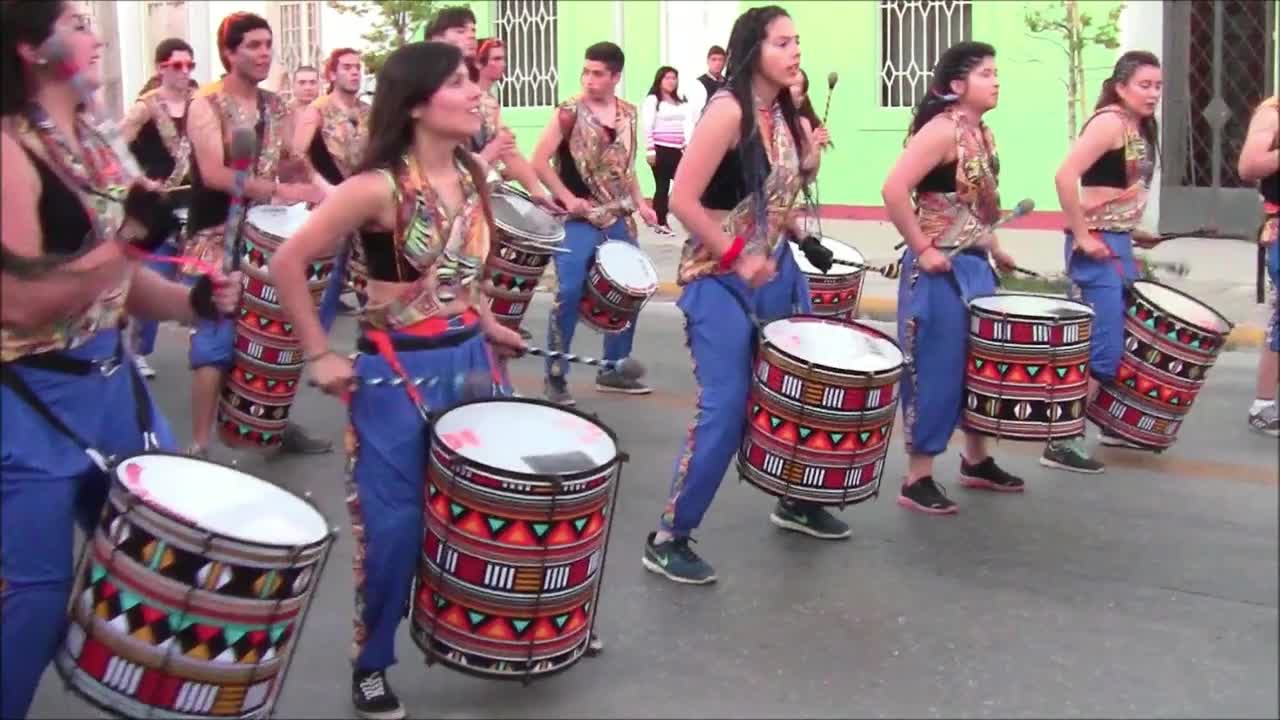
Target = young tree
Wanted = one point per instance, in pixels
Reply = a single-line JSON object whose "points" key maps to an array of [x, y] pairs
{"points": [[396, 22], [1064, 24]]}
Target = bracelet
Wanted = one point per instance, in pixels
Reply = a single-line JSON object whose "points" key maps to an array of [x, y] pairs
{"points": [[730, 256], [317, 356]]}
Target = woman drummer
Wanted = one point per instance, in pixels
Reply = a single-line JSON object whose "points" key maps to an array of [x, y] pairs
{"points": [[1102, 186], [735, 191], [420, 203], [70, 394], [950, 162], [1260, 161]]}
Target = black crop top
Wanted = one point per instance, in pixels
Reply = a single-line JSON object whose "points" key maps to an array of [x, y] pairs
{"points": [[941, 179], [322, 161], [149, 149], [380, 261], [1107, 171], [728, 186], [567, 169], [64, 223]]}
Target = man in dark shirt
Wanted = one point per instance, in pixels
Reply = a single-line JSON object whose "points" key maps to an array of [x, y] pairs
{"points": [[711, 80]]}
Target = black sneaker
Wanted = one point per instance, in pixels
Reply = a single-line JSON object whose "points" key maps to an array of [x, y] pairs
{"points": [[297, 442], [1071, 456], [616, 383], [557, 391], [924, 495], [675, 560], [809, 519], [986, 475], [373, 698]]}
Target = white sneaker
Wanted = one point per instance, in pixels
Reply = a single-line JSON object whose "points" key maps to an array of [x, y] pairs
{"points": [[144, 367]]}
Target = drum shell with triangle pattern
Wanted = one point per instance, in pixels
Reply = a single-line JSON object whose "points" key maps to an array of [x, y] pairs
{"points": [[167, 620], [816, 434], [1165, 363], [607, 305], [836, 295], [1027, 375], [512, 273], [253, 409], [510, 568]]}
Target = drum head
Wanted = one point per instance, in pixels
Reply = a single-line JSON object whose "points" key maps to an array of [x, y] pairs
{"points": [[526, 437], [222, 500], [1183, 307], [281, 221], [838, 249], [1035, 307], [834, 344], [517, 215], [627, 265]]}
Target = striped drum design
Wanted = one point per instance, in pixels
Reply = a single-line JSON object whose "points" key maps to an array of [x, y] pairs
{"points": [[822, 406], [1171, 340], [519, 500], [186, 605], [525, 239], [253, 410], [1027, 374], [620, 281], [835, 293]]}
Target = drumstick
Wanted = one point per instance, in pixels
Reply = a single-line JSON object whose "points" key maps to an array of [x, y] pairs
{"points": [[833, 77], [627, 367]]}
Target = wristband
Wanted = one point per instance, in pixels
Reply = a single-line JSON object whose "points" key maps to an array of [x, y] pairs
{"points": [[201, 299], [730, 256]]}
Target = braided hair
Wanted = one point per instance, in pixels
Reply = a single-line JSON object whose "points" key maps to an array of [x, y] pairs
{"points": [[955, 64]]}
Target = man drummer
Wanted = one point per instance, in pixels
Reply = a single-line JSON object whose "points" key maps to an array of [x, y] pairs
{"points": [[592, 137], [235, 101], [1260, 160]]}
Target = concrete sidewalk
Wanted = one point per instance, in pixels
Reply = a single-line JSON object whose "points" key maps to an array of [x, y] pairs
{"points": [[1219, 273]]}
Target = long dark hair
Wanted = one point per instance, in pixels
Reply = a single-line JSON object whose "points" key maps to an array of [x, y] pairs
{"points": [[656, 88], [955, 64], [806, 110], [23, 22], [411, 75], [743, 59], [1128, 64]]}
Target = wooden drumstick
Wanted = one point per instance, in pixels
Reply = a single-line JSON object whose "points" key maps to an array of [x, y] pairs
{"points": [[833, 77], [627, 367]]}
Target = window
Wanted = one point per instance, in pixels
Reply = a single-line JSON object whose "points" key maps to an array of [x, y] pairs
{"points": [[299, 36], [528, 29], [913, 35]]}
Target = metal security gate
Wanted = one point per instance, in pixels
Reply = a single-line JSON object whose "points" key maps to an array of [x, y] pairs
{"points": [[1220, 62]]}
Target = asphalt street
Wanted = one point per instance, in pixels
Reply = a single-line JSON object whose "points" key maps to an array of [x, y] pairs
{"points": [[1149, 591]]}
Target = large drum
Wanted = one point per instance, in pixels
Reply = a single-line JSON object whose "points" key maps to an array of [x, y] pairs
{"points": [[527, 236], [822, 406], [519, 502], [191, 592], [258, 394], [1170, 342], [836, 292], [1027, 375], [620, 281]]}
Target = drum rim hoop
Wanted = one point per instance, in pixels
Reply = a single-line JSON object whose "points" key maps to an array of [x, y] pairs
{"points": [[642, 292], [555, 239], [1135, 289], [173, 516], [619, 456], [836, 270], [831, 319], [271, 210], [1086, 311]]}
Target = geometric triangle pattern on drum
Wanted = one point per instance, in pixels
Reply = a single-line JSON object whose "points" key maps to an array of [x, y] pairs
{"points": [[519, 533], [509, 629], [812, 438]]}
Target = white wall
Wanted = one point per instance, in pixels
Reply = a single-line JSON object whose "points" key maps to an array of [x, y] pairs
{"points": [[1142, 28], [688, 28]]}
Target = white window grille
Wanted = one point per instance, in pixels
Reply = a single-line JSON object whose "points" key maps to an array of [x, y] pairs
{"points": [[298, 40], [528, 30], [163, 20], [913, 35]]}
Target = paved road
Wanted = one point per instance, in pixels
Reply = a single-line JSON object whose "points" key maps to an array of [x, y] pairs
{"points": [[1149, 591]]}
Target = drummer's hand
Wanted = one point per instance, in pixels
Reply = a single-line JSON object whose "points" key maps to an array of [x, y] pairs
{"points": [[754, 269], [1144, 239], [548, 203], [332, 373], [226, 291], [294, 193], [1093, 247], [1004, 260], [1267, 239], [934, 261], [506, 342], [647, 214], [575, 205]]}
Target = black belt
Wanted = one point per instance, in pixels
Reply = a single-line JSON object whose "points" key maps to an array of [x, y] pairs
{"points": [[60, 362]]}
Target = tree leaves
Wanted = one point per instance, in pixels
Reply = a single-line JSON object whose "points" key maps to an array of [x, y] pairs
{"points": [[1066, 21], [395, 23]]}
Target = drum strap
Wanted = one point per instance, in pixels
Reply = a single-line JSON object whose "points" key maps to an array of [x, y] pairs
{"points": [[61, 363], [386, 348]]}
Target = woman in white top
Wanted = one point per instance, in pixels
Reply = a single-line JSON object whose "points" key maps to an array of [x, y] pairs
{"points": [[668, 122]]}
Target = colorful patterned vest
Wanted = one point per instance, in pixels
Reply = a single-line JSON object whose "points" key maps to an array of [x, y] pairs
{"points": [[344, 131], [176, 143], [1123, 212], [607, 167], [966, 215]]}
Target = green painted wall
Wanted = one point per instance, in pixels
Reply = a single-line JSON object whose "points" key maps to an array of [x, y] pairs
{"points": [[1029, 125]]}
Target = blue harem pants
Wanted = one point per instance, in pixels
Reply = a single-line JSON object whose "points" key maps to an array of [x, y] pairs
{"points": [[933, 329], [145, 331], [721, 341], [581, 239], [47, 483], [1273, 270], [1100, 284]]}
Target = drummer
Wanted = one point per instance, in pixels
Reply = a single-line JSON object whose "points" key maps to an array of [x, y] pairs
{"points": [[67, 281], [1260, 160], [244, 44], [727, 181], [593, 139], [1103, 186], [950, 163], [426, 317], [156, 130]]}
